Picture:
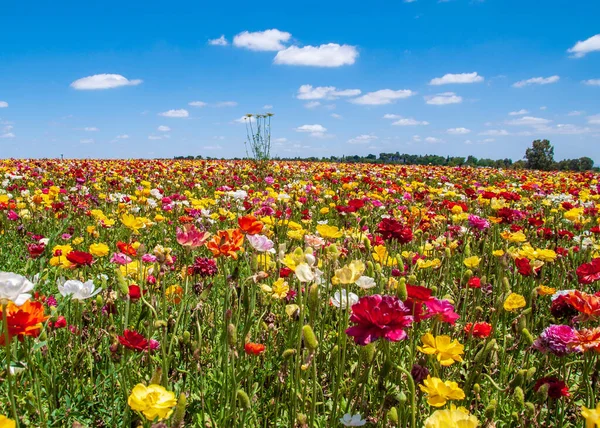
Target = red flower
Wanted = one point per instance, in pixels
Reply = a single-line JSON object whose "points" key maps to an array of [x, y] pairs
{"points": [[61, 322], [556, 388], [379, 316], [391, 229], [417, 295], [589, 272], [479, 330], [250, 225], [133, 340], [80, 258], [284, 272], [474, 282], [135, 292], [126, 249], [524, 266], [254, 348], [36, 250]]}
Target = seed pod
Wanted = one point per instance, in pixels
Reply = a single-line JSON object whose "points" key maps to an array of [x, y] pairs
{"points": [[490, 409], [313, 298], [367, 353], [505, 285], [310, 340], [243, 399], [288, 353], [231, 336], [392, 415], [179, 414], [402, 291], [527, 336], [519, 397]]}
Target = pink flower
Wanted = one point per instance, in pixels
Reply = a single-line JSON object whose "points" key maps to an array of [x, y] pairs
{"points": [[478, 222], [442, 310], [13, 216], [120, 259], [260, 243], [379, 316], [148, 258], [191, 237]]}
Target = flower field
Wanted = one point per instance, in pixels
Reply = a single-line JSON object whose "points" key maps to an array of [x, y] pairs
{"points": [[219, 294]]}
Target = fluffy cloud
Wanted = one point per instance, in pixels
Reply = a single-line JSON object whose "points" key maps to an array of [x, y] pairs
{"points": [[362, 139], [122, 137], [575, 113], [314, 130], [245, 119], [592, 82], [405, 121], [458, 131], [307, 92], [336, 116], [562, 129], [87, 141], [103, 81], [268, 40], [163, 128], [221, 41], [594, 120], [582, 48], [90, 129], [536, 81], [495, 132], [518, 113], [197, 104], [7, 135], [457, 78], [3, 104], [312, 104], [443, 99], [433, 140], [383, 96], [329, 55], [267, 107], [227, 104], [175, 113], [528, 121]]}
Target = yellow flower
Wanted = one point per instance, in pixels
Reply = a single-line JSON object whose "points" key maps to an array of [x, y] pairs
{"points": [[451, 418], [99, 250], [152, 401], [174, 293], [439, 392], [132, 222], [472, 262], [77, 240], [592, 416], [329, 232], [498, 253], [448, 352], [381, 256], [425, 264], [543, 290], [297, 234], [514, 301], [324, 210], [60, 256], [573, 214], [349, 274], [514, 236], [279, 290], [4, 421]]}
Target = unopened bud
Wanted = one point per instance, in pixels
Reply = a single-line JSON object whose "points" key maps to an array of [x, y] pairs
{"points": [[392, 415], [231, 336], [243, 399], [310, 340], [519, 397], [490, 409], [527, 336], [402, 291], [179, 414]]}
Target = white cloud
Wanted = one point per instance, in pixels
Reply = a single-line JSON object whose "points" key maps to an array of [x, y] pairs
{"points": [[362, 139], [90, 129], [122, 137], [383, 96], [155, 137], [575, 113], [563, 129], [496, 132], [227, 104], [518, 113], [3, 104], [443, 99], [457, 78], [217, 147], [86, 141], [536, 81], [392, 116], [307, 92], [267, 107], [280, 140], [433, 140], [594, 120], [221, 41], [245, 119], [329, 55], [312, 104], [543, 108], [7, 135], [582, 48], [458, 131], [163, 128], [7, 128], [175, 113], [268, 40], [336, 116], [409, 121], [314, 130], [486, 140], [528, 121], [103, 81], [592, 82], [197, 104]]}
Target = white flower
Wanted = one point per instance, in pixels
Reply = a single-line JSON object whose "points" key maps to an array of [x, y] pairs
{"points": [[17, 367], [304, 273], [15, 288], [352, 421], [78, 290], [238, 194], [365, 282], [343, 299], [261, 243]]}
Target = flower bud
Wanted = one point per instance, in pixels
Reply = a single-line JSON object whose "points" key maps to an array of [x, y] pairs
{"points": [[160, 323], [231, 336], [302, 419], [367, 244], [519, 397], [448, 252], [531, 373], [476, 388], [310, 340], [179, 414], [412, 279], [518, 379], [505, 285], [542, 391], [123, 286], [402, 292], [243, 399], [401, 397], [185, 338], [392, 415], [313, 298], [468, 274], [490, 409], [370, 268], [529, 409], [483, 353], [288, 353], [367, 353], [99, 300], [527, 336], [156, 377]]}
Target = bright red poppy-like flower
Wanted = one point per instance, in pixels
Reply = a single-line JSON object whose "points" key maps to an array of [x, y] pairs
{"points": [[24, 320], [391, 229], [524, 267], [589, 272], [126, 248], [377, 317], [134, 340], [474, 282], [417, 295], [588, 305], [254, 348], [479, 330], [250, 225], [80, 258], [556, 388]]}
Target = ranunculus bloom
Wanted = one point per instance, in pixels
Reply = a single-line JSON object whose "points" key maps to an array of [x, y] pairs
{"points": [[254, 348], [479, 329], [447, 351], [226, 243], [203, 266], [478, 222], [78, 290], [191, 237], [556, 388], [557, 339], [417, 295], [14, 288], [451, 417], [152, 401], [474, 282], [379, 317], [80, 258], [250, 225], [391, 229], [589, 272], [439, 392], [442, 310], [126, 248], [23, 320], [260, 243], [134, 340], [36, 250]]}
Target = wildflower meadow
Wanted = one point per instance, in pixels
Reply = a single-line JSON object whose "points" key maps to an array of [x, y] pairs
{"points": [[203, 293]]}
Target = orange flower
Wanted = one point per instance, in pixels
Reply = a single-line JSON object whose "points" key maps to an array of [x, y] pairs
{"points": [[250, 224], [588, 305], [226, 243], [587, 339], [24, 320]]}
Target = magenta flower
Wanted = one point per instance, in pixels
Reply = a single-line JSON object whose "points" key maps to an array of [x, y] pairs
{"points": [[191, 237], [478, 222], [148, 258], [442, 310], [120, 259], [379, 316], [556, 339]]}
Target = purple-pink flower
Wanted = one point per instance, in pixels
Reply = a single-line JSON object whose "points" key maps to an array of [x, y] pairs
{"points": [[260, 243], [120, 259], [478, 222], [379, 317], [556, 339], [442, 310], [191, 237]]}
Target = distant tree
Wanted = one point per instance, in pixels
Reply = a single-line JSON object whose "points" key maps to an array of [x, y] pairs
{"points": [[540, 155], [585, 164]]}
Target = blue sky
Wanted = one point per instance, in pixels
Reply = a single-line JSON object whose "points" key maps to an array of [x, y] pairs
{"points": [[341, 77]]}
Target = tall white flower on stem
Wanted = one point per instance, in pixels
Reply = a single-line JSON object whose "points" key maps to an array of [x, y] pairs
{"points": [[78, 290], [14, 288]]}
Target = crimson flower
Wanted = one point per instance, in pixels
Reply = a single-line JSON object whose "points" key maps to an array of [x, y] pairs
{"points": [[379, 317], [36, 250], [589, 272], [80, 258], [391, 229], [133, 340], [524, 266], [417, 295], [556, 388], [474, 282], [479, 330]]}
